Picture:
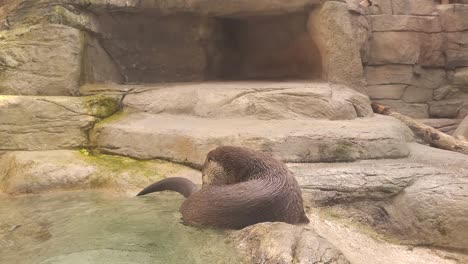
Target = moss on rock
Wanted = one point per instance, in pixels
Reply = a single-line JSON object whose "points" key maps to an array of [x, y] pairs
{"points": [[101, 105]]}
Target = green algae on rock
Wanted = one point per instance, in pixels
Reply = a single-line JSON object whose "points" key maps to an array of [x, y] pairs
{"points": [[39, 171]]}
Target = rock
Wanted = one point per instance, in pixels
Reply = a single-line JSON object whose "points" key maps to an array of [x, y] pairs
{"points": [[40, 60], [426, 24], [417, 95], [170, 49], [433, 211], [98, 66], [433, 49], [380, 7], [389, 91], [462, 130], [361, 245], [413, 7], [325, 184], [335, 31], [40, 171], [384, 51], [188, 139], [445, 125], [281, 243], [445, 92], [409, 109], [50, 122], [213, 8], [405, 74], [453, 17], [457, 49], [262, 100], [446, 108], [461, 77]]}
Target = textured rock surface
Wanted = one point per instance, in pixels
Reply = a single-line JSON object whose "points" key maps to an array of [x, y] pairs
{"points": [[261, 100], [413, 7], [427, 24], [384, 51], [443, 124], [328, 184], [446, 108], [462, 130], [280, 243], [417, 95], [188, 139], [52, 122], [40, 60], [339, 41], [390, 91], [418, 200], [39, 171], [457, 49], [409, 109], [361, 246], [434, 211], [453, 17], [406, 74]]}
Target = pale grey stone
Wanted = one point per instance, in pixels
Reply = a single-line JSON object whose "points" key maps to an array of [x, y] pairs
{"points": [[41, 171], [263, 100], [417, 95], [445, 108], [453, 17], [390, 91], [50, 122], [410, 109], [188, 139], [281, 243], [426, 24], [413, 7], [40, 60]]}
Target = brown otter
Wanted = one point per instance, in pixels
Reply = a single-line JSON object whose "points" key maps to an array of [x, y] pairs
{"points": [[241, 187]]}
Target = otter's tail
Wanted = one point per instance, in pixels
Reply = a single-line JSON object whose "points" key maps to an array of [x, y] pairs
{"points": [[180, 185]]}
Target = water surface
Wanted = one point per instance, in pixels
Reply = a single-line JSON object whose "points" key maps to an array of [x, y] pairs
{"points": [[95, 227]]}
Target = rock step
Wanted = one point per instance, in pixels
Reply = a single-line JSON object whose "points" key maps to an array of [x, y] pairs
{"points": [[51, 122], [257, 99], [188, 139], [42, 171]]}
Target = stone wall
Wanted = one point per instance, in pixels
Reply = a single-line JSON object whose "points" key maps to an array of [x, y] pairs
{"points": [[52, 47], [418, 57]]}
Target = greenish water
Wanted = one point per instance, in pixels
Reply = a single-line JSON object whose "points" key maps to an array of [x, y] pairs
{"points": [[94, 227]]}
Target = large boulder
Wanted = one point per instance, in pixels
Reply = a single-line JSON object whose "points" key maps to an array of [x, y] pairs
{"points": [[40, 60], [40, 171], [340, 36], [280, 243], [327, 184], [262, 100], [188, 139], [51, 122], [434, 211]]}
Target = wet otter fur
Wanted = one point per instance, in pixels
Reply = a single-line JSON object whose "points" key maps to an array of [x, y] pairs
{"points": [[241, 187]]}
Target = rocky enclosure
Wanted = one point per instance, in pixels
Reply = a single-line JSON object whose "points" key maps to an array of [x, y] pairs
{"points": [[117, 94]]}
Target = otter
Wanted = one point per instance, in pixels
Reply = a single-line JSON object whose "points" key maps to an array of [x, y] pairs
{"points": [[241, 187]]}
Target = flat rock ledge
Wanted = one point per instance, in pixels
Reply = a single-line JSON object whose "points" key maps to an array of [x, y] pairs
{"points": [[51, 122], [420, 200], [188, 139], [40, 171], [280, 243], [261, 100]]}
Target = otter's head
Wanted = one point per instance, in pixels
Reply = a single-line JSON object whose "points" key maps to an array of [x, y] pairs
{"points": [[227, 165]]}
